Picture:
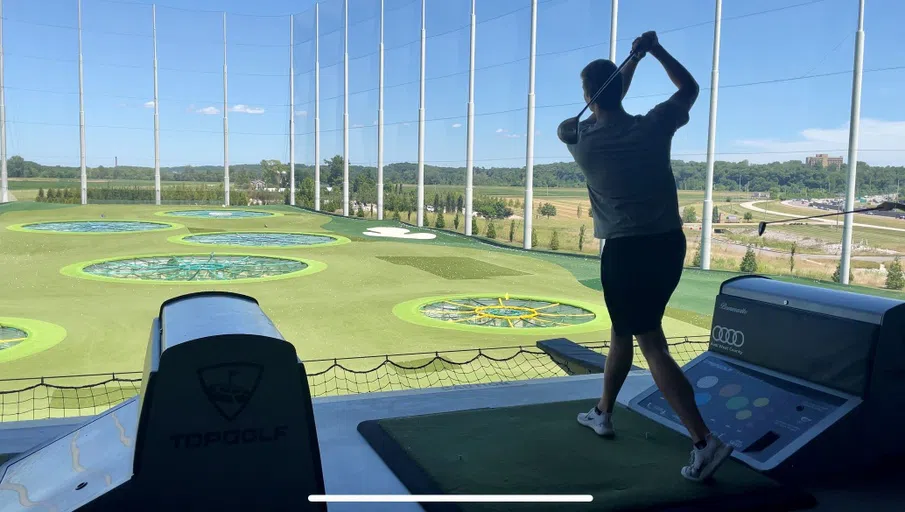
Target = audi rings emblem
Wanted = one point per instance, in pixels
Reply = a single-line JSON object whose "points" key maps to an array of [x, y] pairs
{"points": [[728, 336]]}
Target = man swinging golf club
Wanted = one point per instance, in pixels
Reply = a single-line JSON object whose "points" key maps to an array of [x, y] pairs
{"points": [[626, 161]]}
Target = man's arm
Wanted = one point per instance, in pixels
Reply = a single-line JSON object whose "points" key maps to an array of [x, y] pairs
{"points": [[688, 87], [627, 73]]}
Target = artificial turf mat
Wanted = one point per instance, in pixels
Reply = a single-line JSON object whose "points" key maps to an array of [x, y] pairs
{"points": [[541, 449], [453, 267]]}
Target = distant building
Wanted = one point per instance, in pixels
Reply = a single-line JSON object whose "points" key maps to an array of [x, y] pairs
{"points": [[824, 160], [257, 184], [760, 195]]}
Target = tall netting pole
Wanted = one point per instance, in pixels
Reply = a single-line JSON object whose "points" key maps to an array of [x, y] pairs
{"points": [[225, 123], [421, 119], [707, 226], [854, 125], [291, 110], [82, 160], [4, 178], [380, 119], [346, 108], [317, 109], [156, 111], [529, 158], [469, 148], [614, 20]]}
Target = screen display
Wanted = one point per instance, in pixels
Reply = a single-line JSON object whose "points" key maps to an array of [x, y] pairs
{"points": [[756, 413]]}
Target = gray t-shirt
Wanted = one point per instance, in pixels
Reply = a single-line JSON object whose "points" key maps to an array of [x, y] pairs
{"points": [[628, 172]]}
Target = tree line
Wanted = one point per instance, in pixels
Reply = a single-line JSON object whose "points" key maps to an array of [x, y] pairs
{"points": [[787, 179], [114, 194]]}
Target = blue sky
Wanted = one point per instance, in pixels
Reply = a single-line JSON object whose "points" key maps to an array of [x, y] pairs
{"points": [[776, 118]]}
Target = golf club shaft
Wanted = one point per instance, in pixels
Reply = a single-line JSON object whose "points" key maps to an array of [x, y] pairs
{"points": [[822, 215], [605, 84]]}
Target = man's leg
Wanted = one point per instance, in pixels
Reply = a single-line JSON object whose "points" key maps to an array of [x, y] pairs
{"points": [[709, 452], [619, 359], [618, 364], [672, 382]]}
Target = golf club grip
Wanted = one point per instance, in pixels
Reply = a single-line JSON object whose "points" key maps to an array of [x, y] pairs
{"points": [[605, 84]]}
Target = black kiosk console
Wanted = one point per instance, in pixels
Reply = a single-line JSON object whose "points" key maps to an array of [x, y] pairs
{"points": [[224, 422], [803, 381]]}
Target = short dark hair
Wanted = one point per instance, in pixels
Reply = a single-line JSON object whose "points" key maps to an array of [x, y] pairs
{"points": [[595, 75]]}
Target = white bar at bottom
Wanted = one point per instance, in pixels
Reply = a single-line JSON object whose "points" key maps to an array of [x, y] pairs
{"points": [[451, 498]]}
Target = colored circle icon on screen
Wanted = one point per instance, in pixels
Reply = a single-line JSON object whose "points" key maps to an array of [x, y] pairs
{"points": [[707, 382], [761, 402], [735, 403], [743, 414], [730, 390], [702, 398]]}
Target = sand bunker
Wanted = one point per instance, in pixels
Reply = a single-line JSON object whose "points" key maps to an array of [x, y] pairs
{"points": [[398, 233]]}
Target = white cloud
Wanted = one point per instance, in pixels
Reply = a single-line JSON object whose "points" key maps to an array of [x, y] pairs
{"points": [[245, 109], [406, 124], [500, 130], [356, 125], [208, 111], [875, 134], [301, 113], [457, 125], [149, 104], [505, 133]]}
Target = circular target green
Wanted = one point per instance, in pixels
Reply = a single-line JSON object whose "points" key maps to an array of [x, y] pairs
{"points": [[95, 227], [211, 268], [505, 314], [219, 214], [262, 239], [22, 337]]}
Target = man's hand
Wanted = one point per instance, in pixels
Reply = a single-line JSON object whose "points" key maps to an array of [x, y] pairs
{"points": [[647, 42]]}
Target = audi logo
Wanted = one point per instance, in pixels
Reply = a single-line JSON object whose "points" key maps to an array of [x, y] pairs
{"points": [[728, 336]]}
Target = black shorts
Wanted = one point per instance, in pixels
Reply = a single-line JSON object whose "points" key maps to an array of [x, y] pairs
{"points": [[639, 275]]}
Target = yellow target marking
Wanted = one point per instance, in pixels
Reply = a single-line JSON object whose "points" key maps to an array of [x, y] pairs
{"points": [[508, 312]]}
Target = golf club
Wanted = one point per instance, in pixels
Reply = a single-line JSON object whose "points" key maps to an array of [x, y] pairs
{"points": [[883, 207], [568, 129]]}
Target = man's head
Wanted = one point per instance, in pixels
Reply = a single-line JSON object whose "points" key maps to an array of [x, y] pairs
{"points": [[595, 75]]}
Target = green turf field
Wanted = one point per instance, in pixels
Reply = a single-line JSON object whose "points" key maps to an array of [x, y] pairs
{"points": [[343, 307]]}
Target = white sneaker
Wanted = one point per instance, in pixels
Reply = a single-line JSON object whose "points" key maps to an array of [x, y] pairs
{"points": [[602, 424], [704, 462]]}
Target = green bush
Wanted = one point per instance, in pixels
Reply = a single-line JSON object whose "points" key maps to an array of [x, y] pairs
{"points": [[512, 230], [554, 241], [491, 229], [837, 274], [689, 215], [895, 277], [749, 261], [547, 210]]}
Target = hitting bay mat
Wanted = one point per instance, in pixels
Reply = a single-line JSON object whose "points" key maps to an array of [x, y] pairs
{"points": [[541, 449]]}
